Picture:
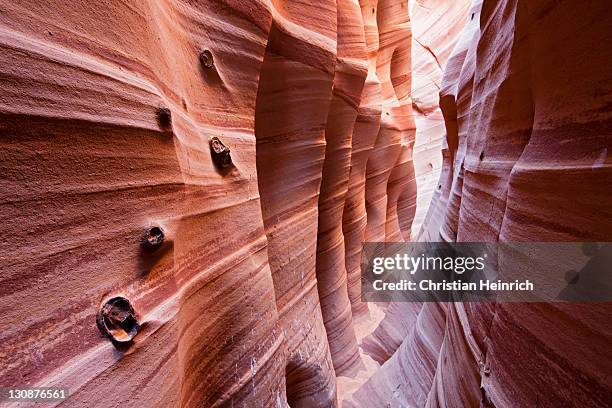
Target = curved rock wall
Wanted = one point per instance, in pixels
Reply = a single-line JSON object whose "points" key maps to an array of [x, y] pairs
{"points": [[436, 28], [107, 112], [88, 161], [393, 32], [525, 132], [349, 79], [367, 125], [330, 112], [293, 101]]}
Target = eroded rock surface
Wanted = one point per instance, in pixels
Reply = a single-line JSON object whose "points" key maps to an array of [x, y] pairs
{"points": [[525, 159], [338, 122]]}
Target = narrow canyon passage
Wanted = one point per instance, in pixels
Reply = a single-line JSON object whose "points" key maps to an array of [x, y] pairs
{"points": [[187, 187]]}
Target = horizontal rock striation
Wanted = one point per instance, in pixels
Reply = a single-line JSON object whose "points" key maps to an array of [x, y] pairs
{"points": [[108, 119], [106, 113], [293, 101], [349, 79], [427, 62], [525, 159]]}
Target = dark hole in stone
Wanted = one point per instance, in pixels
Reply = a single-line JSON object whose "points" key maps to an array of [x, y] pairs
{"points": [[153, 238], [439, 186], [117, 320], [220, 153], [481, 155], [164, 117], [373, 10], [471, 18], [206, 59]]}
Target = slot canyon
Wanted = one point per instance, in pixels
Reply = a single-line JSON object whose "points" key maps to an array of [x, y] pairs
{"points": [[257, 144]]}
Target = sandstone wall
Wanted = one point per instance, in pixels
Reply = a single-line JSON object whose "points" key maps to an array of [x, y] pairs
{"points": [[87, 164], [292, 105], [107, 110], [525, 159], [330, 110], [436, 28]]}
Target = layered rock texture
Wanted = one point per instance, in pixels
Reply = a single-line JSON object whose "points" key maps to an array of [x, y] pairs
{"points": [[346, 121], [525, 158]]}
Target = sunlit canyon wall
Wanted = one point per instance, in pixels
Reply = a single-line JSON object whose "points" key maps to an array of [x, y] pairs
{"points": [[525, 98], [347, 121]]}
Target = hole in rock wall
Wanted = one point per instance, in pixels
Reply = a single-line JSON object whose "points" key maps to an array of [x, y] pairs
{"points": [[206, 59], [220, 153], [164, 117], [153, 238], [117, 320]]}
